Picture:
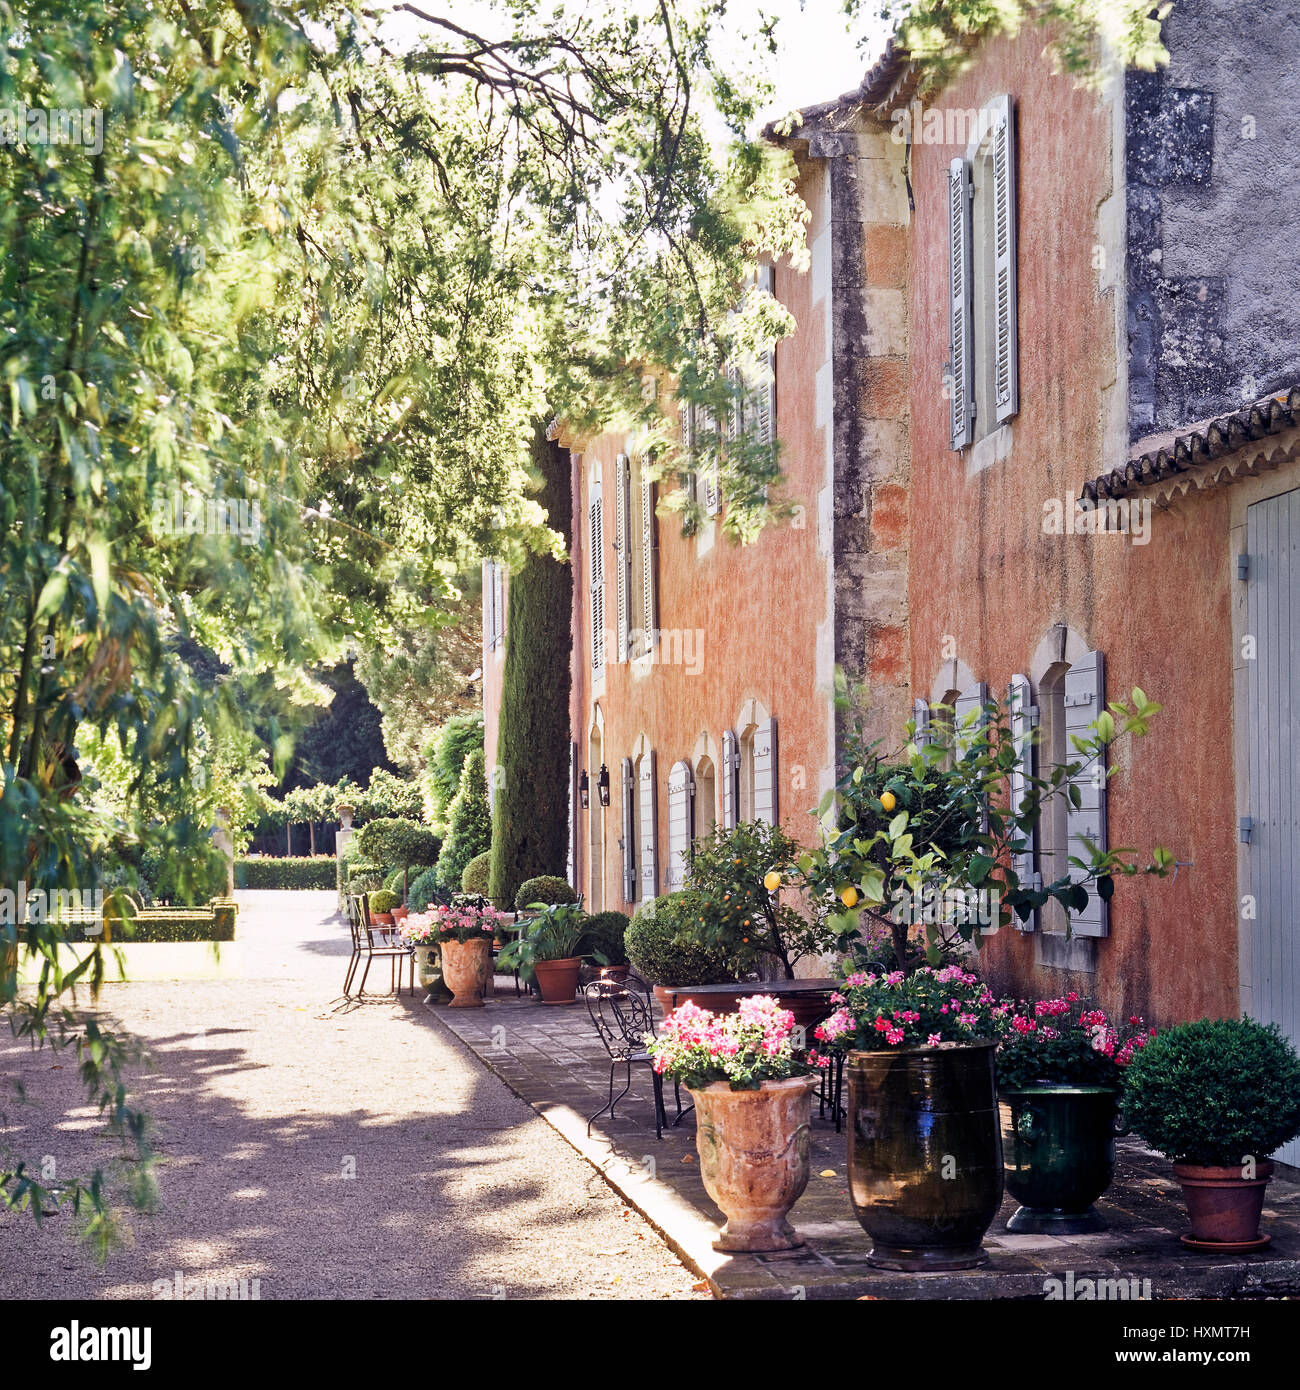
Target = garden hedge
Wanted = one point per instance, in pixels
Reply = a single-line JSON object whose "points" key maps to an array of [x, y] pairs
{"points": [[530, 813], [286, 873]]}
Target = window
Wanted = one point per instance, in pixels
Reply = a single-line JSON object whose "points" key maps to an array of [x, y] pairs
{"points": [[982, 378], [757, 771], [681, 826], [623, 553], [705, 813], [645, 595], [646, 794], [627, 842], [596, 821]]}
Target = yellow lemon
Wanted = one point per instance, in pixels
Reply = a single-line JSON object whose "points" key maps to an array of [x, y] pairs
{"points": [[849, 895], [888, 800], [771, 880]]}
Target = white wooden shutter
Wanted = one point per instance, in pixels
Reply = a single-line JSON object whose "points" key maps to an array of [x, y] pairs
{"points": [[623, 553], [736, 404], [679, 825], [573, 815], [766, 806], [596, 526], [764, 424], [1006, 380], [687, 413], [489, 604], [1085, 699], [972, 698], [730, 780], [649, 578], [921, 716], [960, 343], [648, 810], [1023, 720], [629, 832]]}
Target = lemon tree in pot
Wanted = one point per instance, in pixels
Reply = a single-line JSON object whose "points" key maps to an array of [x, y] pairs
{"points": [[1060, 1068], [1218, 1096], [548, 950], [753, 1093]]}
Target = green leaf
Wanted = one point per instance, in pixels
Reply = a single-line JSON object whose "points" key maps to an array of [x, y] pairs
{"points": [[56, 586], [97, 547]]}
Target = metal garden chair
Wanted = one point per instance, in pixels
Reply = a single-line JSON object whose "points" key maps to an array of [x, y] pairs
{"points": [[365, 944], [623, 1017]]}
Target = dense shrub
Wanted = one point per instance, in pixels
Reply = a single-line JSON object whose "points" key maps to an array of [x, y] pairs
{"points": [[530, 813], [1214, 1091], [384, 901], [604, 932], [546, 889], [475, 878], [423, 890], [469, 823], [397, 843], [664, 945], [365, 877], [460, 736], [216, 924], [394, 880], [285, 873]]}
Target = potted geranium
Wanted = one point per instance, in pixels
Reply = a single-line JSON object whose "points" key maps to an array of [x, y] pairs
{"points": [[548, 949], [465, 937], [1059, 1070], [1218, 1096], [925, 1157], [753, 1093]]}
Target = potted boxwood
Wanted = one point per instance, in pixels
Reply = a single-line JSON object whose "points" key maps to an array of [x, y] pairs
{"points": [[382, 903], [664, 944], [1217, 1096], [605, 932], [1059, 1072], [465, 934], [753, 1094], [925, 1152], [546, 890], [548, 949]]}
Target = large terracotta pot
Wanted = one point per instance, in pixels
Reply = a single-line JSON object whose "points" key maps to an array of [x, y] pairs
{"points": [[925, 1153], [754, 1158], [1224, 1206], [1059, 1148], [465, 965], [558, 979]]}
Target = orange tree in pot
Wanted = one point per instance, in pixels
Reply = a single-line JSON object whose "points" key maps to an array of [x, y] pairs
{"points": [[753, 1094], [1218, 1096]]}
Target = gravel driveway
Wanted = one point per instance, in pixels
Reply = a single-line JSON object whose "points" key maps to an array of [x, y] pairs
{"points": [[325, 1151]]}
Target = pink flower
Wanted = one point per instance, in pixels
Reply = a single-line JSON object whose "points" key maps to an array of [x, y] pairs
{"points": [[933, 1038]]}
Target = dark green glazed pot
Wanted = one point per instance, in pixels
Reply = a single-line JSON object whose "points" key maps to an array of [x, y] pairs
{"points": [[925, 1154], [1059, 1143]]}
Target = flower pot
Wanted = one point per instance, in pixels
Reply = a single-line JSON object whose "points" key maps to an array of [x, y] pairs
{"points": [[616, 973], [382, 919], [1224, 1205], [925, 1153], [558, 979], [428, 970], [754, 1159], [465, 966], [1058, 1143], [400, 914]]}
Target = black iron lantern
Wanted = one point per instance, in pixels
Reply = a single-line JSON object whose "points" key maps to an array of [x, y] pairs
{"points": [[602, 785], [583, 793]]}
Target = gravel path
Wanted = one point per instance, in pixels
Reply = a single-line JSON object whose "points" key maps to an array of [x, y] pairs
{"points": [[267, 1092]]}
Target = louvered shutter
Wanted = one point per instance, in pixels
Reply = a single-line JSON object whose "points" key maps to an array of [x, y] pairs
{"points": [[688, 450], [629, 832], [921, 716], [972, 698], [764, 424], [573, 815], [490, 603], [1085, 694], [649, 577], [960, 344], [736, 404], [499, 581], [1006, 381], [648, 810], [730, 780], [766, 807], [597, 566], [1023, 721], [623, 554], [679, 825]]}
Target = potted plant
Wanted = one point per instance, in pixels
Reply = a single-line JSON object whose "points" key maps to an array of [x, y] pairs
{"points": [[753, 1095], [382, 903], [664, 944], [1218, 1096], [420, 933], [925, 1153], [1059, 1072], [546, 890], [548, 949], [465, 935]]}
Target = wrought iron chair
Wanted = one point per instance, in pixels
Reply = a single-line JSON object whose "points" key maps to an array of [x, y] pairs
{"points": [[830, 1088], [623, 1017], [369, 940]]}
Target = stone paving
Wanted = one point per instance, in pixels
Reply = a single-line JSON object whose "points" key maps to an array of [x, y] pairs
{"points": [[551, 1057]]}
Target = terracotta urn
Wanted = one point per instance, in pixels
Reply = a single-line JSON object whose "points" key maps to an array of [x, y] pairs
{"points": [[557, 980], [1224, 1205], [465, 966], [754, 1159]]}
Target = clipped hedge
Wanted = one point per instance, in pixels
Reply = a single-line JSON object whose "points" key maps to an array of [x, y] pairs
{"points": [[477, 872], [286, 873], [604, 932], [546, 889], [664, 945], [215, 924]]}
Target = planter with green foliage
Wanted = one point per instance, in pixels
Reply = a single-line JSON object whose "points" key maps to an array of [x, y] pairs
{"points": [[1218, 1096], [382, 904], [549, 948], [315, 873], [664, 942]]}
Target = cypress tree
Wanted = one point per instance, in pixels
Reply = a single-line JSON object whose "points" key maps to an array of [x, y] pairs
{"points": [[530, 816], [469, 823]]}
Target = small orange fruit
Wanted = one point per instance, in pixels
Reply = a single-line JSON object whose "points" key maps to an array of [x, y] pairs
{"points": [[771, 880], [888, 800], [848, 895]]}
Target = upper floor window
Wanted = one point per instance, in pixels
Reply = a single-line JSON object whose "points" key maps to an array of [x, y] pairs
{"points": [[982, 378]]}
